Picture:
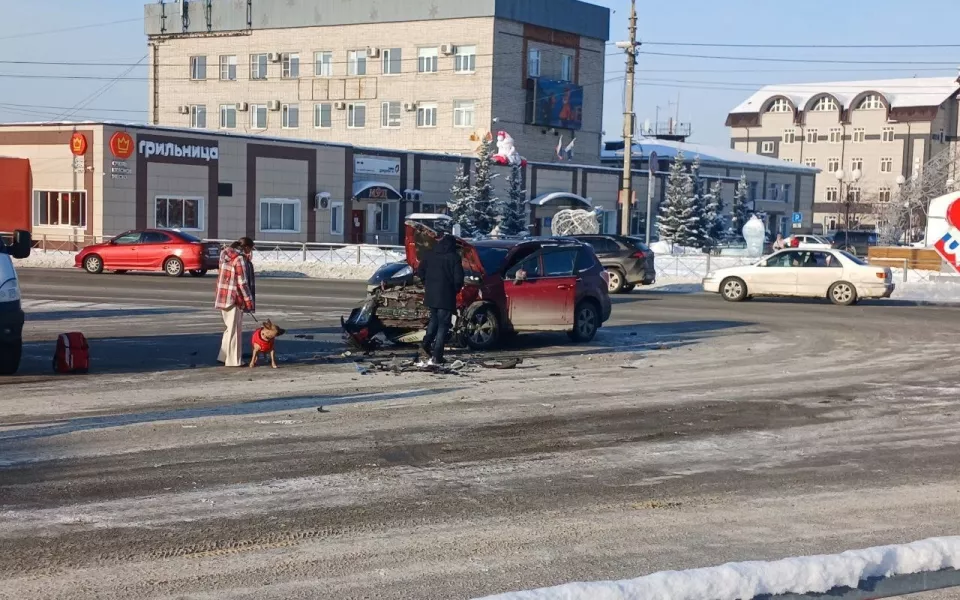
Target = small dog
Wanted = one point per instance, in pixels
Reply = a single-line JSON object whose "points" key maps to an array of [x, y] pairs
{"points": [[263, 341]]}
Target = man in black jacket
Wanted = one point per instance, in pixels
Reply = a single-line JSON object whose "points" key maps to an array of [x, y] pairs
{"points": [[441, 272]]}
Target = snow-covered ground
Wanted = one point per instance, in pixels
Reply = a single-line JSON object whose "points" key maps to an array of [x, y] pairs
{"points": [[735, 581]]}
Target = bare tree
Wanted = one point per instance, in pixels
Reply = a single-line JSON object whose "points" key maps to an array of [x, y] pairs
{"points": [[937, 177]]}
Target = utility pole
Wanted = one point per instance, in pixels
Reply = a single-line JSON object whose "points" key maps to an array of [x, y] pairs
{"points": [[629, 119]]}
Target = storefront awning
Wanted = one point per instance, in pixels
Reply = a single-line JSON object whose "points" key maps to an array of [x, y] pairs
{"points": [[545, 199], [374, 190]]}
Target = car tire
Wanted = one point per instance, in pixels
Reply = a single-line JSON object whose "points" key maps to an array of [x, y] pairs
{"points": [[628, 288], [93, 264], [586, 322], [173, 267], [616, 278], [733, 289], [10, 354], [481, 328], [842, 293], [198, 272]]}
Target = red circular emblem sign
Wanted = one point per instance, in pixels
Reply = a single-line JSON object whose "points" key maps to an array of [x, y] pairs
{"points": [[78, 144], [121, 145]]}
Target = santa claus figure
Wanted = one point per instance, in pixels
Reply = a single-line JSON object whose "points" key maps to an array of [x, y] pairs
{"points": [[507, 154]]}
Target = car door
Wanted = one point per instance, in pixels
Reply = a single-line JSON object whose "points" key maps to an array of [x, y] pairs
{"points": [[121, 253], [537, 302], [778, 275], [154, 247], [820, 270]]}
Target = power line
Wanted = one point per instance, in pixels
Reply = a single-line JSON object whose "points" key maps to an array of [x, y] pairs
{"points": [[802, 60], [99, 92], [112, 110], [810, 46], [65, 29]]}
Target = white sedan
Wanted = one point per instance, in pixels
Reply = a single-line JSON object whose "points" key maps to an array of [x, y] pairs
{"points": [[833, 274], [810, 242]]}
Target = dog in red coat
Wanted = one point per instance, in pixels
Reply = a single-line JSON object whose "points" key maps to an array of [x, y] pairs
{"points": [[263, 342]]}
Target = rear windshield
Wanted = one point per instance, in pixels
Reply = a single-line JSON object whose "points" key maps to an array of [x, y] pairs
{"points": [[491, 258], [186, 236], [853, 258]]}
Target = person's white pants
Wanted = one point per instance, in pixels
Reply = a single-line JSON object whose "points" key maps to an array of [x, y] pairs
{"points": [[231, 345]]}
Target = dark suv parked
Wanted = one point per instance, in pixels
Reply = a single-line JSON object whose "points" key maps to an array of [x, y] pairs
{"points": [[627, 260], [855, 242]]}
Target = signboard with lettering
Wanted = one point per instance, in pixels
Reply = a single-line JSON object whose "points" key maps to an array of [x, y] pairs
{"points": [[78, 144], [179, 150], [366, 165]]}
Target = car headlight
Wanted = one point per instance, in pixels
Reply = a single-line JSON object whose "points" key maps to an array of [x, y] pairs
{"points": [[404, 272], [11, 293]]}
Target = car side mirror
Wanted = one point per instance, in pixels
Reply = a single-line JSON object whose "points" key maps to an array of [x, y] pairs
{"points": [[22, 243]]}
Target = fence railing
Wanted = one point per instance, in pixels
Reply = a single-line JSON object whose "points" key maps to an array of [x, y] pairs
{"points": [[696, 266], [874, 588]]}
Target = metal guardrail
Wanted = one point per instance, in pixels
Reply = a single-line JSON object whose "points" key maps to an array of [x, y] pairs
{"points": [[878, 587], [696, 265]]}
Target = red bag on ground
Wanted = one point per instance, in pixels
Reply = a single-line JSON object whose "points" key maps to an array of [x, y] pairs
{"points": [[72, 354]]}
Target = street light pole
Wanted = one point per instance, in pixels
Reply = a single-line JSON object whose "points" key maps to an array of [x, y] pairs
{"points": [[847, 201], [626, 186]]}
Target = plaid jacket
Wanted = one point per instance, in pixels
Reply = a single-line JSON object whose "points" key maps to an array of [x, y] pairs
{"points": [[234, 282]]}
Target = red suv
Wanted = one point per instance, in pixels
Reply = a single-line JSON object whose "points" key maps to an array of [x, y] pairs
{"points": [[172, 252], [540, 284]]}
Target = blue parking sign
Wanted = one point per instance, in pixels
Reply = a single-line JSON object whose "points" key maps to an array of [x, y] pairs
{"points": [[798, 217]]}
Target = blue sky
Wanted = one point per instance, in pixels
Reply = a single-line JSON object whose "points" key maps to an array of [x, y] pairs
{"points": [[706, 88]]}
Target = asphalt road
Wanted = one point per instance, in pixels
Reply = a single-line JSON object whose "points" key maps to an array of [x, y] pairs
{"points": [[689, 433]]}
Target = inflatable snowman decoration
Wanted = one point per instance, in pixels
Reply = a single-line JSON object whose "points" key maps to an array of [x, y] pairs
{"points": [[507, 154]]}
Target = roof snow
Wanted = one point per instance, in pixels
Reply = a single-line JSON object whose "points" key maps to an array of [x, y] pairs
{"points": [[899, 93], [707, 154]]}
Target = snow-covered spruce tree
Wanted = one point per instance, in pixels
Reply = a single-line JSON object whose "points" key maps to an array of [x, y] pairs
{"points": [[698, 204], [513, 210], [482, 197], [460, 204], [678, 221], [714, 222], [738, 211]]}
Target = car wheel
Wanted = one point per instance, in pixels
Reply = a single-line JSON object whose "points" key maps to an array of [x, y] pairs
{"points": [[614, 281], [628, 288], [198, 272], [586, 321], [10, 357], [482, 328], [733, 289], [173, 267], [843, 293], [93, 264]]}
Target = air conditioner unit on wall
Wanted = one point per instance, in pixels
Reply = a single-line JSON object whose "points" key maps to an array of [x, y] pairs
{"points": [[373, 52], [273, 105], [183, 109], [274, 57], [340, 105], [323, 200], [410, 106], [447, 49], [243, 106]]}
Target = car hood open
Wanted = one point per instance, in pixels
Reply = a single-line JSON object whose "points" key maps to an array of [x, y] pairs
{"points": [[421, 239]]}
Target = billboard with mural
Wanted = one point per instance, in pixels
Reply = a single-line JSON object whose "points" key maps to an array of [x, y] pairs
{"points": [[557, 104]]}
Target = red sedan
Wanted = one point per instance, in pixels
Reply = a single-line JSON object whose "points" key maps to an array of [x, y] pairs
{"points": [[172, 252]]}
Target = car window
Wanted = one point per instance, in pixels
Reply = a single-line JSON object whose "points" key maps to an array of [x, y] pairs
{"points": [[825, 260], [586, 259], [188, 237], [127, 239], [530, 265], [785, 259], [559, 263], [853, 258], [154, 237], [491, 258]]}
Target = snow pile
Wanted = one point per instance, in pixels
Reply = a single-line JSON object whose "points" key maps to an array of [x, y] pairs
{"points": [[46, 260], [738, 581], [666, 248]]}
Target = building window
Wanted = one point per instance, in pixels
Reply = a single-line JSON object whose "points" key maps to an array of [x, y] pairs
{"points": [[824, 104], [786, 192], [198, 67], [833, 165], [357, 62], [887, 135], [392, 59], [753, 188], [426, 115], [59, 209], [566, 67], [789, 136], [766, 147], [810, 162], [833, 194], [228, 68], [787, 160], [390, 115], [258, 116], [228, 116], [198, 116], [323, 64], [859, 135], [780, 105], [773, 191], [323, 116], [883, 195], [178, 212], [463, 113], [886, 165], [289, 65], [533, 63], [279, 215], [356, 116], [290, 116], [465, 59], [856, 164], [336, 218], [853, 194], [427, 60], [258, 66], [384, 217], [811, 136], [836, 135], [871, 102]]}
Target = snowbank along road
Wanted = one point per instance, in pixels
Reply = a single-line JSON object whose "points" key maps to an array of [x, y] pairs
{"points": [[691, 432]]}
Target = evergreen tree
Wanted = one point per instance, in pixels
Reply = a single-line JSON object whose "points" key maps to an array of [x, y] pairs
{"points": [[461, 205], [739, 216], [713, 221], [698, 202], [678, 221], [513, 210], [484, 202]]}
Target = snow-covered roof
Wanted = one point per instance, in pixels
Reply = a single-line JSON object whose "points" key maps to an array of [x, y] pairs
{"points": [[545, 198], [899, 93], [708, 155]]}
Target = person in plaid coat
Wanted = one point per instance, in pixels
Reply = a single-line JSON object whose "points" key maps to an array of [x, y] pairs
{"points": [[235, 295]]}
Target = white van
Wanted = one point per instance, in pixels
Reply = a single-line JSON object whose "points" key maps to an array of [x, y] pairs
{"points": [[11, 312]]}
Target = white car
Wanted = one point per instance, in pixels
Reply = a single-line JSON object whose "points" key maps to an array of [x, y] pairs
{"points": [[833, 274], [811, 242]]}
